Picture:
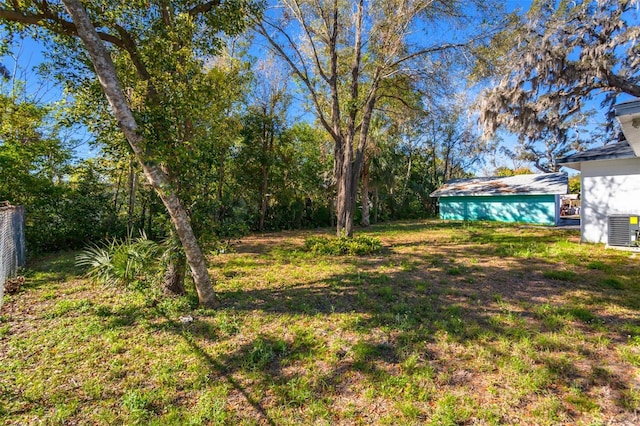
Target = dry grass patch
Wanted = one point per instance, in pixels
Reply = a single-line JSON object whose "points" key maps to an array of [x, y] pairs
{"points": [[452, 323]]}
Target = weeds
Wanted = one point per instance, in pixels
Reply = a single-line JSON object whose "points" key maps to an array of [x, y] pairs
{"points": [[337, 246], [611, 282]]}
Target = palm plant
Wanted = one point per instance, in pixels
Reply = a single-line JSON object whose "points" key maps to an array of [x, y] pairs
{"points": [[121, 262]]}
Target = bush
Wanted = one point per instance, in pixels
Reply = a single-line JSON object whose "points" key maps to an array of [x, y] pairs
{"points": [[337, 246], [121, 262]]}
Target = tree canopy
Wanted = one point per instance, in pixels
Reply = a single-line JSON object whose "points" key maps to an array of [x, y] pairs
{"points": [[157, 56], [548, 65]]}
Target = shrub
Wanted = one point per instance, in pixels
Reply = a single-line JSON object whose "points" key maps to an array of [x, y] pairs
{"points": [[120, 262], [337, 246]]}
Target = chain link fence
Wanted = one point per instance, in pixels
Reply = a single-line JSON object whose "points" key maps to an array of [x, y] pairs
{"points": [[13, 250]]}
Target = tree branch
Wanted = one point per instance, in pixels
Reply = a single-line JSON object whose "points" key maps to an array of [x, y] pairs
{"points": [[203, 8], [428, 51], [53, 23], [300, 73], [316, 56]]}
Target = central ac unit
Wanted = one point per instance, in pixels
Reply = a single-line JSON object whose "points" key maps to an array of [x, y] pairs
{"points": [[624, 230]]}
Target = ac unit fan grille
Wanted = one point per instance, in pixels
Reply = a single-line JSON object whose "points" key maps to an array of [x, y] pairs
{"points": [[619, 232]]}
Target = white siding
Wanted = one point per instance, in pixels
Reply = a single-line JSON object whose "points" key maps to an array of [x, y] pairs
{"points": [[608, 187]]}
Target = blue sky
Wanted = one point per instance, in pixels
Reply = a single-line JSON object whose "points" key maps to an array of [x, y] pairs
{"points": [[23, 61]]}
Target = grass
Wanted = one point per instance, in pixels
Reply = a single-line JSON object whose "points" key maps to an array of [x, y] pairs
{"points": [[452, 323]]}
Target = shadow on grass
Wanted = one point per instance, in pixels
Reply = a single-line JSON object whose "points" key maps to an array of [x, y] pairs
{"points": [[51, 268], [218, 368], [479, 304]]}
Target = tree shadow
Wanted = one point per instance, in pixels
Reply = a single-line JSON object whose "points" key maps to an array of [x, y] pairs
{"points": [[60, 266], [226, 370], [438, 295]]}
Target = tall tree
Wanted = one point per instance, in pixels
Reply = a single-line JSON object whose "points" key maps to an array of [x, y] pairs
{"points": [[264, 123], [446, 147], [348, 55], [550, 62], [158, 40]]}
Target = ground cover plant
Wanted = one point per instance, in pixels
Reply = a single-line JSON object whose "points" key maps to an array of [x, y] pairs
{"points": [[450, 323]]}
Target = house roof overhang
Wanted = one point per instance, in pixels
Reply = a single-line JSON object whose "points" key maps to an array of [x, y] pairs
{"points": [[613, 151], [628, 115]]}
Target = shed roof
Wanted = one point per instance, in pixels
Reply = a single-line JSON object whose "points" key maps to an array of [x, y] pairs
{"points": [[614, 151], [541, 184]]}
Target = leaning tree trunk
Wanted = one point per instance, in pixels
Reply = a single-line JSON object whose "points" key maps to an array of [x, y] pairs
{"points": [[106, 72]]}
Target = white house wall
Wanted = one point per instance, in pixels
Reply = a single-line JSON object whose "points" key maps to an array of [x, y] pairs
{"points": [[608, 187]]}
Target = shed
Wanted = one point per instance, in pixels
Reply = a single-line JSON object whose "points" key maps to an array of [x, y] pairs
{"points": [[610, 177], [522, 198]]}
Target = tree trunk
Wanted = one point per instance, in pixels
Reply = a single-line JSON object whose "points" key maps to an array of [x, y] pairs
{"points": [[106, 72], [220, 193], [376, 205], [116, 207], [332, 211], [346, 202], [364, 195], [173, 283], [132, 197], [407, 177], [263, 203], [341, 194], [268, 136], [346, 199]]}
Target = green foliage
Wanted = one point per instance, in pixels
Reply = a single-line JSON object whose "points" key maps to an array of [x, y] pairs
{"points": [[293, 163], [599, 265], [263, 351], [185, 107], [506, 171], [574, 184], [582, 314], [338, 246], [121, 262]]}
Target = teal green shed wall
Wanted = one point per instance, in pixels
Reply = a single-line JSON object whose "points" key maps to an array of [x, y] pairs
{"points": [[539, 209]]}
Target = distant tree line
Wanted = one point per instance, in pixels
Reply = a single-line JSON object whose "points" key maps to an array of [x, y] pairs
{"points": [[269, 175]]}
